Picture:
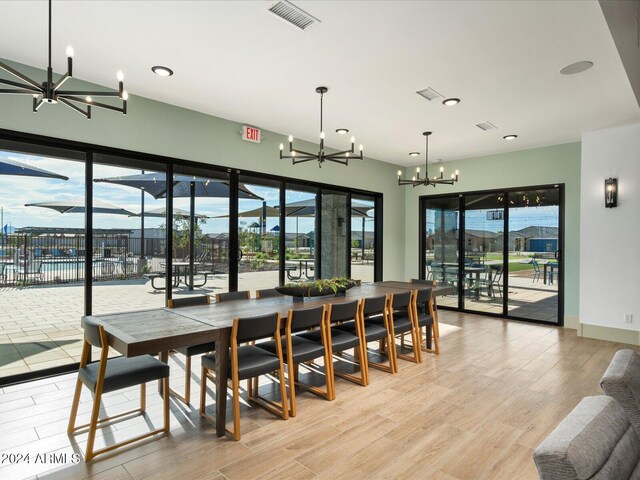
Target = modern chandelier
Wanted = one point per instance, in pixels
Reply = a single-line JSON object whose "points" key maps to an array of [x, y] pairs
{"points": [[300, 156], [51, 92], [426, 181]]}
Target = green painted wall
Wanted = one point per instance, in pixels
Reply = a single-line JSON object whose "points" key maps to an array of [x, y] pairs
{"points": [[159, 128], [540, 166]]}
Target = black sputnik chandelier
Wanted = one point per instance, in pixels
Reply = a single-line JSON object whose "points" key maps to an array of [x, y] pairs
{"points": [[80, 101], [300, 156], [426, 181]]}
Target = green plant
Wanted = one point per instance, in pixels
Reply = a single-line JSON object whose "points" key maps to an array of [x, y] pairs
{"points": [[333, 284], [257, 264], [145, 269]]}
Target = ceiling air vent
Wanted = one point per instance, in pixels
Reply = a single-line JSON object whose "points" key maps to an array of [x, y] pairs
{"points": [[486, 126], [293, 15], [429, 93]]}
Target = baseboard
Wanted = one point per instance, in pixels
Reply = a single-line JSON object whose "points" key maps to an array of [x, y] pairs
{"points": [[571, 322], [610, 334]]}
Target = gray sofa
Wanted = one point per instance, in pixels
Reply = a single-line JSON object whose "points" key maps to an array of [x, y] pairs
{"points": [[595, 441], [622, 382], [600, 438]]}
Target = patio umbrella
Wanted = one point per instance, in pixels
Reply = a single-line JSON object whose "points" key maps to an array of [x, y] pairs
{"points": [[162, 212], [13, 167], [156, 186], [77, 206]]}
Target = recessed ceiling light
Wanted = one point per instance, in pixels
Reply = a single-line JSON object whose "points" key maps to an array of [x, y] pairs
{"points": [[342, 131], [510, 137], [414, 154], [450, 101], [577, 67], [162, 71]]}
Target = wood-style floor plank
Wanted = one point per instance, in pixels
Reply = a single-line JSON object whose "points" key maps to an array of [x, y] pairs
{"points": [[477, 411]]}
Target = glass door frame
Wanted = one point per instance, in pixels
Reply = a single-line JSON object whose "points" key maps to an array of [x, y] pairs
{"points": [[422, 207]]}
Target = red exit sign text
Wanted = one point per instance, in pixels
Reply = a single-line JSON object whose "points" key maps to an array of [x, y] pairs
{"points": [[251, 134]]}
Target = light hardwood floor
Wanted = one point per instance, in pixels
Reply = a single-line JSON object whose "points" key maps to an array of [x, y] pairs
{"points": [[475, 412]]}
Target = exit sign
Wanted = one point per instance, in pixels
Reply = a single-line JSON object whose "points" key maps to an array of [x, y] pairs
{"points": [[251, 134]]}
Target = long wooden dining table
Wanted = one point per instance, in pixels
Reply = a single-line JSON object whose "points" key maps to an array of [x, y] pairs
{"points": [[159, 330]]}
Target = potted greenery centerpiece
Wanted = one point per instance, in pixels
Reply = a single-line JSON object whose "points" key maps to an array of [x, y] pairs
{"points": [[317, 288]]}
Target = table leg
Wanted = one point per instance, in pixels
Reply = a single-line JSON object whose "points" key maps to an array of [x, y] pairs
{"points": [[545, 274], [164, 357], [222, 367]]}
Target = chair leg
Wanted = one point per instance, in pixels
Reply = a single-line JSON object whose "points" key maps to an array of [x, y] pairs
{"points": [[236, 410], [187, 380], [74, 407], [165, 403], [93, 424], [143, 397], [203, 390], [283, 393], [292, 370]]}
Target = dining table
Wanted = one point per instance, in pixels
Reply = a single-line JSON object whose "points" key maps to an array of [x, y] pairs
{"points": [[159, 330]]}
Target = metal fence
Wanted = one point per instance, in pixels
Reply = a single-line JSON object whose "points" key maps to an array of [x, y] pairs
{"points": [[50, 259]]}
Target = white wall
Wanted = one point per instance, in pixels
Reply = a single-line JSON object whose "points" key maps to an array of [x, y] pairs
{"points": [[610, 237]]}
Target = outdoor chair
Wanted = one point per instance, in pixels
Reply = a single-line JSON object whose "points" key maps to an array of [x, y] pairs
{"points": [[32, 270], [401, 320], [240, 295], [3, 271], [371, 308], [268, 293], [247, 362], [492, 282], [341, 340], [297, 350], [423, 313], [111, 374], [437, 271], [190, 350], [536, 270]]}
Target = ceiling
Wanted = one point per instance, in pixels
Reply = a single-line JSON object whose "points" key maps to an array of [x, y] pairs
{"points": [[233, 59]]}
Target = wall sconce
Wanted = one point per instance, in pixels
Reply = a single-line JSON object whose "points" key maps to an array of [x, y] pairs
{"points": [[611, 192]]}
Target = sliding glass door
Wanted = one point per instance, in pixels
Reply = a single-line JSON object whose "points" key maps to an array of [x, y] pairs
{"points": [[441, 218], [500, 249]]}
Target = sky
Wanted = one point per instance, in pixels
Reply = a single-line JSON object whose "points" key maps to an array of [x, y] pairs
{"points": [[519, 218], [16, 191]]}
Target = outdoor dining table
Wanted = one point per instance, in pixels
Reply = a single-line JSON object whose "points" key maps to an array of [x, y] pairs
{"points": [[291, 264], [160, 330]]}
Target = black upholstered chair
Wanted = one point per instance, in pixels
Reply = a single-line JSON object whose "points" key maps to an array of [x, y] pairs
{"points": [[247, 362], [268, 293], [374, 308], [225, 297], [108, 375], [191, 350], [400, 318], [342, 340], [423, 314], [297, 350]]}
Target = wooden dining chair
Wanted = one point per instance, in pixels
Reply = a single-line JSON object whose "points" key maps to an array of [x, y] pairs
{"points": [[268, 293], [341, 340], [297, 350], [433, 307], [401, 321], [108, 375], [249, 361], [425, 318], [375, 308], [240, 295], [190, 350]]}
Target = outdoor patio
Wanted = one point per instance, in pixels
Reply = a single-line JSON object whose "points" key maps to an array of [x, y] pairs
{"points": [[40, 326]]}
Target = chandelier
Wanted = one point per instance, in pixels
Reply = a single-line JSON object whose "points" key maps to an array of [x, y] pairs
{"points": [[300, 156], [426, 181], [49, 91]]}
